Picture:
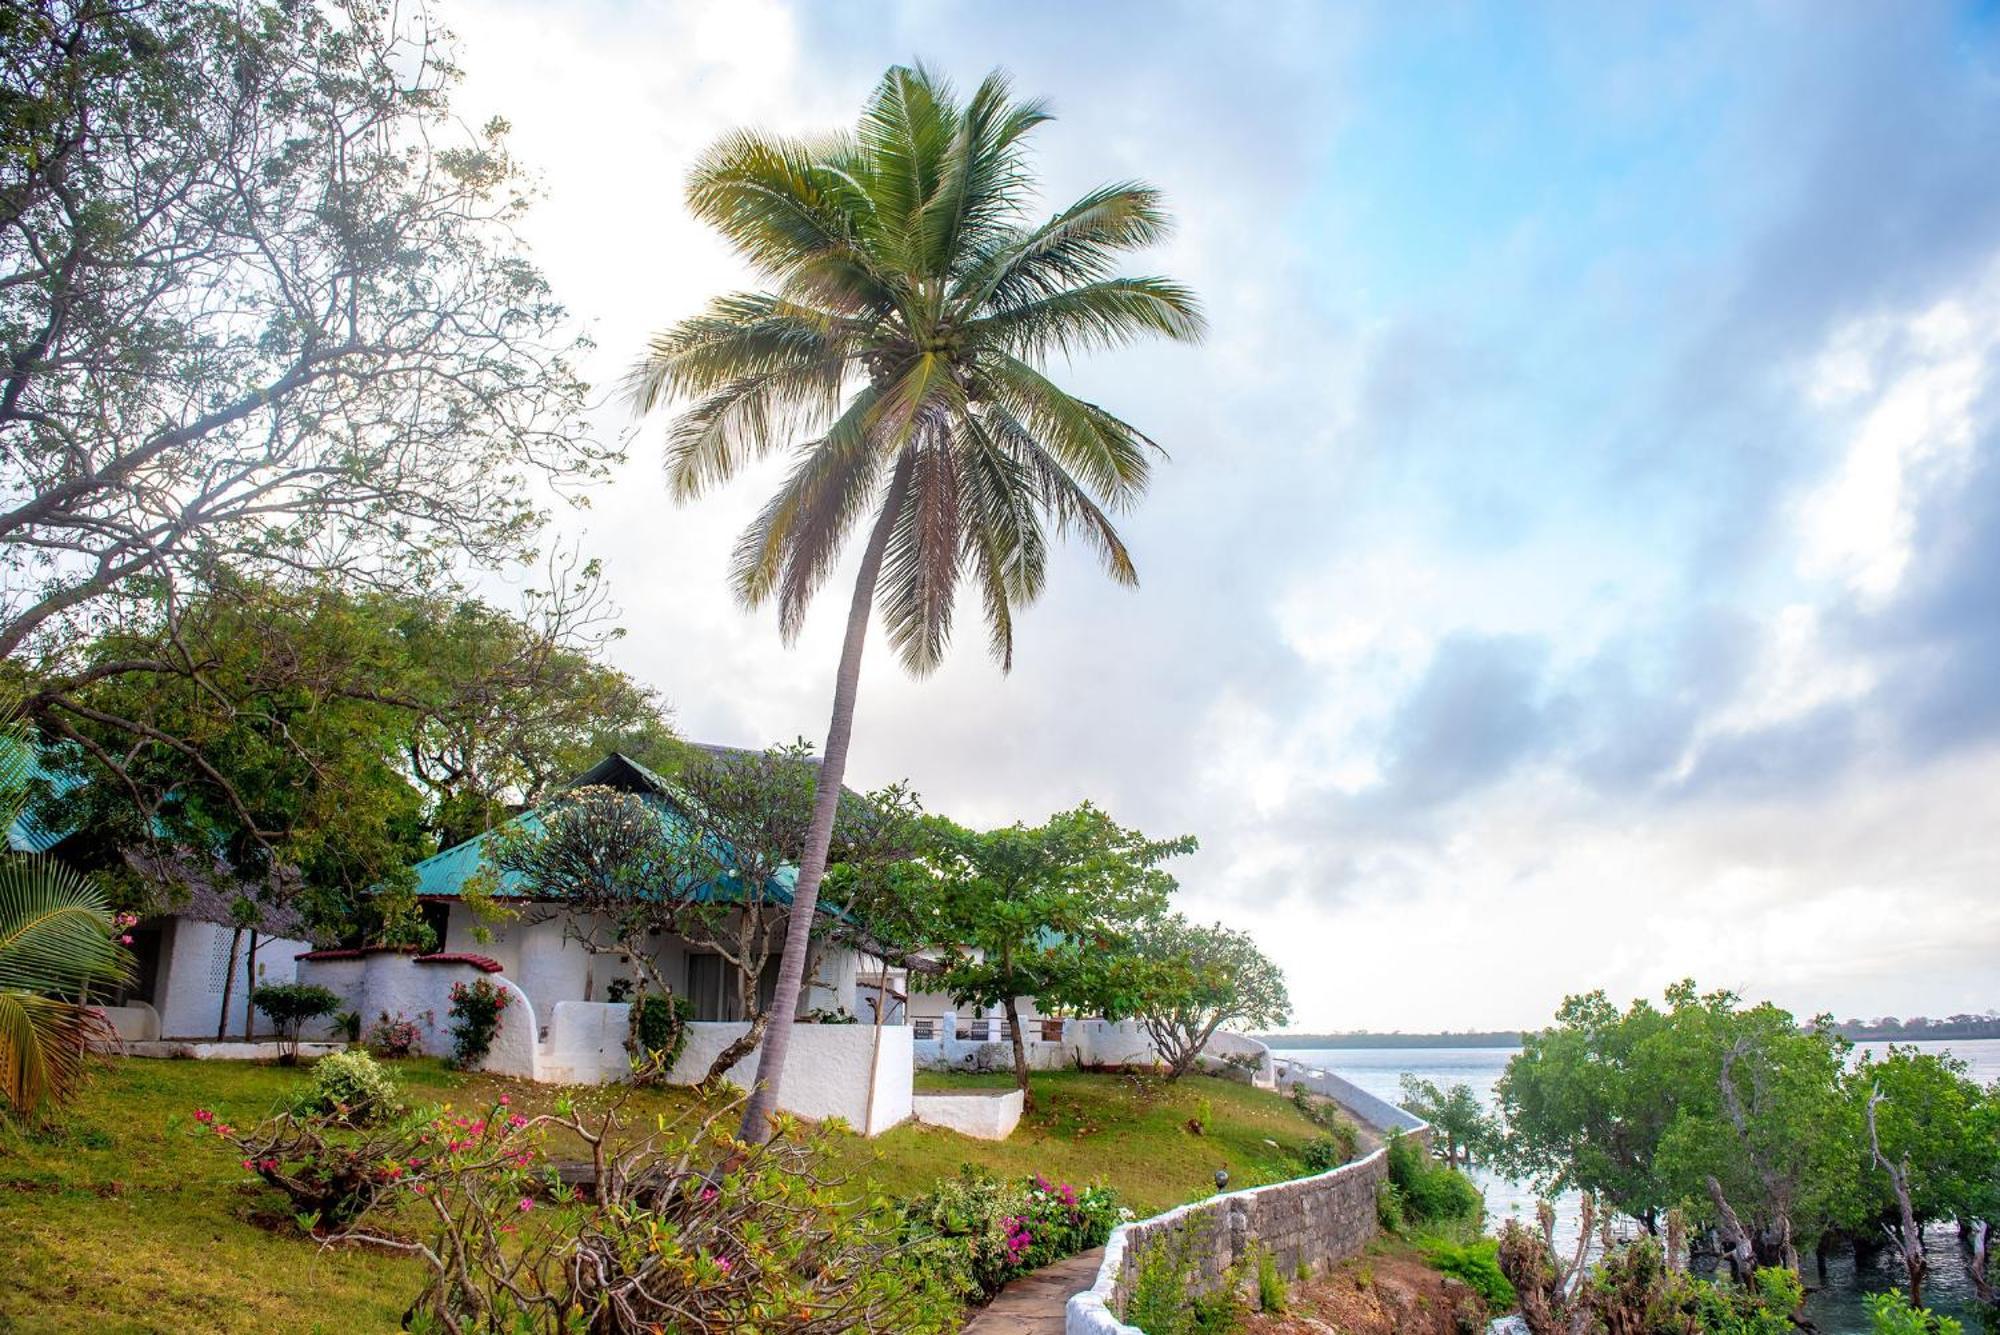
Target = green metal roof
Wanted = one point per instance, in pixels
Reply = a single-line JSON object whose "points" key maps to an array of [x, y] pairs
{"points": [[443, 875]]}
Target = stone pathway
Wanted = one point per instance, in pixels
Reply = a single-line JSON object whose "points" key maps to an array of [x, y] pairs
{"points": [[1033, 1304]]}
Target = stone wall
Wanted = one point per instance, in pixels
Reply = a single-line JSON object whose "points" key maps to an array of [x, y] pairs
{"points": [[1310, 1221]]}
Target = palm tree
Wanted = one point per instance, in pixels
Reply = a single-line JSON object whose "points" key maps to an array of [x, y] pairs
{"points": [[895, 357], [56, 943]]}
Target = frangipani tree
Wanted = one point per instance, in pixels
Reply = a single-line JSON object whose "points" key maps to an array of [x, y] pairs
{"points": [[896, 354], [1198, 979]]}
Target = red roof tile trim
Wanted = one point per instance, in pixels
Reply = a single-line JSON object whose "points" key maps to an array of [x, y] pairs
{"points": [[484, 963], [348, 954]]}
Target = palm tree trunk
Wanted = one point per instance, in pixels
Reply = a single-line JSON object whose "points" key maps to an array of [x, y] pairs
{"points": [[756, 1126]]}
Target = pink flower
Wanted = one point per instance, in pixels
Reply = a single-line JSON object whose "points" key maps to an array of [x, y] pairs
{"points": [[249, 1166], [709, 1194], [125, 940], [526, 1205], [517, 1121], [723, 1263], [504, 1100], [204, 1116]]}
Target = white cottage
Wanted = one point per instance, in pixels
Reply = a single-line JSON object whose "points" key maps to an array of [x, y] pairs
{"points": [[566, 1020]]}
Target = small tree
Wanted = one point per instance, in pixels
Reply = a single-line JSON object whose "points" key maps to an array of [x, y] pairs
{"points": [[1197, 979], [289, 1006], [1927, 1148], [1454, 1114], [1047, 912]]}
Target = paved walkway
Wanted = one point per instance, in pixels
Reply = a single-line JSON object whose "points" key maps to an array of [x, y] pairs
{"points": [[1033, 1304]]}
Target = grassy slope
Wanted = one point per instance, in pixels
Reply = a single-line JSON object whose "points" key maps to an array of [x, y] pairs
{"points": [[121, 1222], [1128, 1133]]}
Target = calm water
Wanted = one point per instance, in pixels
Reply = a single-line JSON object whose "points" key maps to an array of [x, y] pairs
{"points": [[1836, 1308]]}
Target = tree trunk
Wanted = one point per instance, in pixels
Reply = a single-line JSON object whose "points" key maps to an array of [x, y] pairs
{"points": [[757, 1111], [1737, 1248], [1020, 1054], [250, 986], [228, 985], [1909, 1236], [739, 1048], [1982, 1245]]}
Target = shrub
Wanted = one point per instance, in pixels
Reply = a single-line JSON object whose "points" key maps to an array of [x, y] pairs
{"points": [[475, 1019], [331, 1174], [658, 1031], [1891, 1314], [349, 1087], [979, 1231], [289, 1006], [1431, 1192], [1325, 1152], [397, 1035], [1477, 1263], [1163, 1299], [1271, 1293], [1389, 1208]]}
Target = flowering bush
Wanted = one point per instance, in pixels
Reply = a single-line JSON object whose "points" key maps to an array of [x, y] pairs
{"points": [[981, 1232], [331, 1173], [398, 1035], [349, 1087], [475, 1019]]}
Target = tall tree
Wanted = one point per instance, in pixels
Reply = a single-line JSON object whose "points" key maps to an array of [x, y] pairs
{"points": [[896, 356], [1048, 912], [263, 306], [302, 744]]}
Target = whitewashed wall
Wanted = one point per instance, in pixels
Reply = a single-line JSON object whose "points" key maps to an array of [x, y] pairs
{"points": [[979, 1113], [194, 955]]}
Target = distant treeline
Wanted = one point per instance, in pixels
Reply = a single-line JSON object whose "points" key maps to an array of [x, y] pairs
{"points": [[1891, 1030], [1482, 1038], [1888, 1029]]}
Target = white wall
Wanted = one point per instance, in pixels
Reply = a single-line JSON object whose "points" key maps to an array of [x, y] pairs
{"points": [[981, 1114], [188, 989]]}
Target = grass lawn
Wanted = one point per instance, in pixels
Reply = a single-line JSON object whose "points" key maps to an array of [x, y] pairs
{"points": [[119, 1221]]}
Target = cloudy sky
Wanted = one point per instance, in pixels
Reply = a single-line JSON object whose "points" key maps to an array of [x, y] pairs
{"points": [[1579, 563]]}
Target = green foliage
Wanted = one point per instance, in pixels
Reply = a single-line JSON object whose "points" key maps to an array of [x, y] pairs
{"points": [[1324, 1153], [1271, 1291], [349, 1087], [1164, 1299], [1632, 1288], [476, 1008], [1389, 1211], [1195, 979], [1455, 1117], [1476, 1262], [1045, 911], [1430, 1192], [659, 1031], [58, 939], [981, 1231], [1891, 1314], [289, 1006]]}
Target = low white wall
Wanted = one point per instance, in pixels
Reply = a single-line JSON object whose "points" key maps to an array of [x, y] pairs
{"points": [[395, 983], [981, 1114], [135, 1022], [860, 1073]]}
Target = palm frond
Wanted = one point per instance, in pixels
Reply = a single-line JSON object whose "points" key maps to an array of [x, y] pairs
{"points": [[795, 540], [55, 929], [1068, 501], [44, 1043], [1110, 456], [1082, 244], [920, 572], [1105, 314]]}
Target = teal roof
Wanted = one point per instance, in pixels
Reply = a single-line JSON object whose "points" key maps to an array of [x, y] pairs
{"points": [[21, 765], [443, 875]]}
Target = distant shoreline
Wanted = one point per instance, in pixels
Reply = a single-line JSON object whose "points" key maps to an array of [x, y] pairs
{"points": [[1497, 1038], [1939, 1032]]}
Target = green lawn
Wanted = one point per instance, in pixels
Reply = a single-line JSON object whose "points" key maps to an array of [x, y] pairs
{"points": [[121, 1221]]}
